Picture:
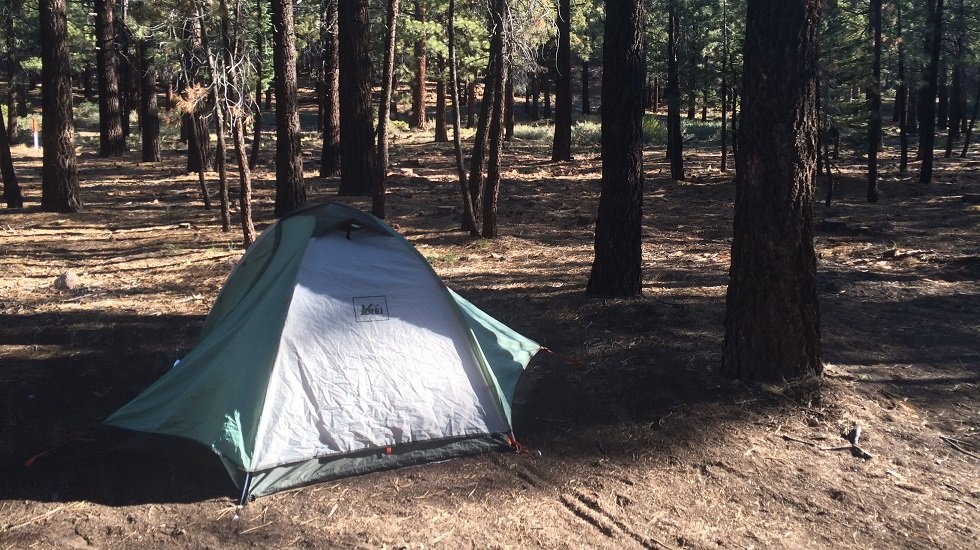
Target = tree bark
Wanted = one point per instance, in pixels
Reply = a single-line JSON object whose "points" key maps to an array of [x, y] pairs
{"points": [[229, 53], [330, 150], [902, 97], [498, 79], [378, 198], [927, 134], [59, 170], [11, 189], [112, 140], [772, 322], [469, 216], [418, 119], [617, 267], [586, 104], [973, 121], [675, 144], [253, 158], [149, 115], [874, 102], [509, 118], [442, 132], [14, 73], [290, 193], [357, 157], [561, 150]]}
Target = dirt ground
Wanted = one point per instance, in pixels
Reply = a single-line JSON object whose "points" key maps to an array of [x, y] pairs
{"points": [[643, 445]]}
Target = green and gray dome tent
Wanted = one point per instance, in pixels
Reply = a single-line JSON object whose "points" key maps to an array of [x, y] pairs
{"points": [[334, 349]]}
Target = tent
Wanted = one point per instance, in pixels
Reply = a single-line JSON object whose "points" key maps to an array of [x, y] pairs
{"points": [[334, 349]]}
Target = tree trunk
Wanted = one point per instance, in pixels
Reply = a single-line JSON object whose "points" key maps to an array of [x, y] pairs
{"points": [[957, 99], [290, 193], [442, 133], [378, 197], [509, 117], [229, 53], [874, 102], [942, 108], [418, 119], [478, 157], [498, 80], [902, 97], [534, 83], [59, 170], [330, 151], [469, 216], [927, 135], [561, 150], [973, 121], [675, 145], [149, 115], [586, 105], [471, 103], [253, 158], [11, 189], [772, 321], [356, 128], [545, 77], [617, 267], [14, 73], [112, 141]]}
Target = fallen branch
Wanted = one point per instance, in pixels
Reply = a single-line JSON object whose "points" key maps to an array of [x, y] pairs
{"points": [[952, 443], [250, 529]]}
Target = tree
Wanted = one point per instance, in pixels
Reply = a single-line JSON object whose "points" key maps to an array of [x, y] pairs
{"points": [[378, 197], [874, 103], [675, 144], [497, 79], [418, 118], [357, 157], [15, 97], [112, 140], [290, 193], [616, 269], [927, 132], [149, 117], [330, 148], [772, 322], [11, 190], [562, 145], [469, 215], [59, 171], [253, 158]]}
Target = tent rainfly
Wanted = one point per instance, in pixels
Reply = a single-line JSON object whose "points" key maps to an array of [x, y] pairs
{"points": [[334, 349]]}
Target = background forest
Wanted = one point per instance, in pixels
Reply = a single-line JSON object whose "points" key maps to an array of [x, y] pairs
{"points": [[748, 228]]}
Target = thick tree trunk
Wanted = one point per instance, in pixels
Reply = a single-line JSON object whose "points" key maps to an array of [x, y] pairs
{"points": [[561, 149], [59, 170], [330, 150], [617, 267], [11, 189], [290, 193], [874, 102], [442, 132], [378, 197], [418, 118], [478, 157], [357, 157], [112, 140], [772, 321], [675, 144], [927, 135], [149, 115]]}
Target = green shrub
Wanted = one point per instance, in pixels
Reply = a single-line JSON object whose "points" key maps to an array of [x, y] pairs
{"points": [[530, 132], [654, 130], [586, 133], [698, 130]]}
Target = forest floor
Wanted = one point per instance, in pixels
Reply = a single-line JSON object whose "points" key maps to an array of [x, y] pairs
{"points": [[643, 445]]}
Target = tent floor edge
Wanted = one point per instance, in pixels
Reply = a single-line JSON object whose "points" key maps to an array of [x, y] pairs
{"points": [[318, 470]]}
